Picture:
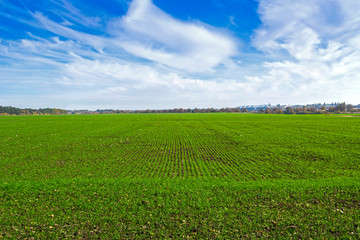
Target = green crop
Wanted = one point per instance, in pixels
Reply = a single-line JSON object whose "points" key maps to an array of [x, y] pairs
{"points": [[146, 176]]}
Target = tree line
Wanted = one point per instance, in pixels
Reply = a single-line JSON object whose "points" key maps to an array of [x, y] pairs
{"points": [[174, 110], [340, 108], [7, 110]]}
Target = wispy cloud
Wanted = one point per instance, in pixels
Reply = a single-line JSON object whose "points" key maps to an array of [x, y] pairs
{"points": [[73, 15], [65, 31], [151, 86], [133, 86], [148, 32], [318, 61], [232, 21]]}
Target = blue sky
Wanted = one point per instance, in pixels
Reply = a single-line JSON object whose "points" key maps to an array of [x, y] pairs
{"points": [[142, 54]]}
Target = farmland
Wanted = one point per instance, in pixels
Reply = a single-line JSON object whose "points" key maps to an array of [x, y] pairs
{"points": [[156, 176]]}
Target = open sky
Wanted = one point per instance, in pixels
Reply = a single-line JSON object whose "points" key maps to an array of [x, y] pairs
{"points": [[143, 54]]}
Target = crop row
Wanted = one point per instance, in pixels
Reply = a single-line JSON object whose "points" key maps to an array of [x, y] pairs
{"points": [[234, 146]]}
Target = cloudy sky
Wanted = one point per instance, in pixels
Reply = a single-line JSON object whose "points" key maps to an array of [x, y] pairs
{"points": [[143, 54]]}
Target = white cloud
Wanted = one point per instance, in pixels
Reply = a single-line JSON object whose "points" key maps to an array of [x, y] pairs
{"points": [[319, 63], [131, 85], [148, 32], [65, 31]]}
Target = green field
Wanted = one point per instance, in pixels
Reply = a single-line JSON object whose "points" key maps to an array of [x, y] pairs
{"points": [[200, 176]]}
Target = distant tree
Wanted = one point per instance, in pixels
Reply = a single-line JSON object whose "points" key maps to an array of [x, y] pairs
{"points": [[300, 110], [244, 110], [312, 110], [268, 111], [349, 108], [277, 110], [340, 107], [289, 110], [261, 110]]}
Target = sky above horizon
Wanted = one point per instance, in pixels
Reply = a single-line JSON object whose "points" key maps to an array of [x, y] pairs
{"points": [[143, 54]]}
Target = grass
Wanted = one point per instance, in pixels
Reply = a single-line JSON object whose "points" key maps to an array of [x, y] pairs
{"points": [[152, 176]]}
